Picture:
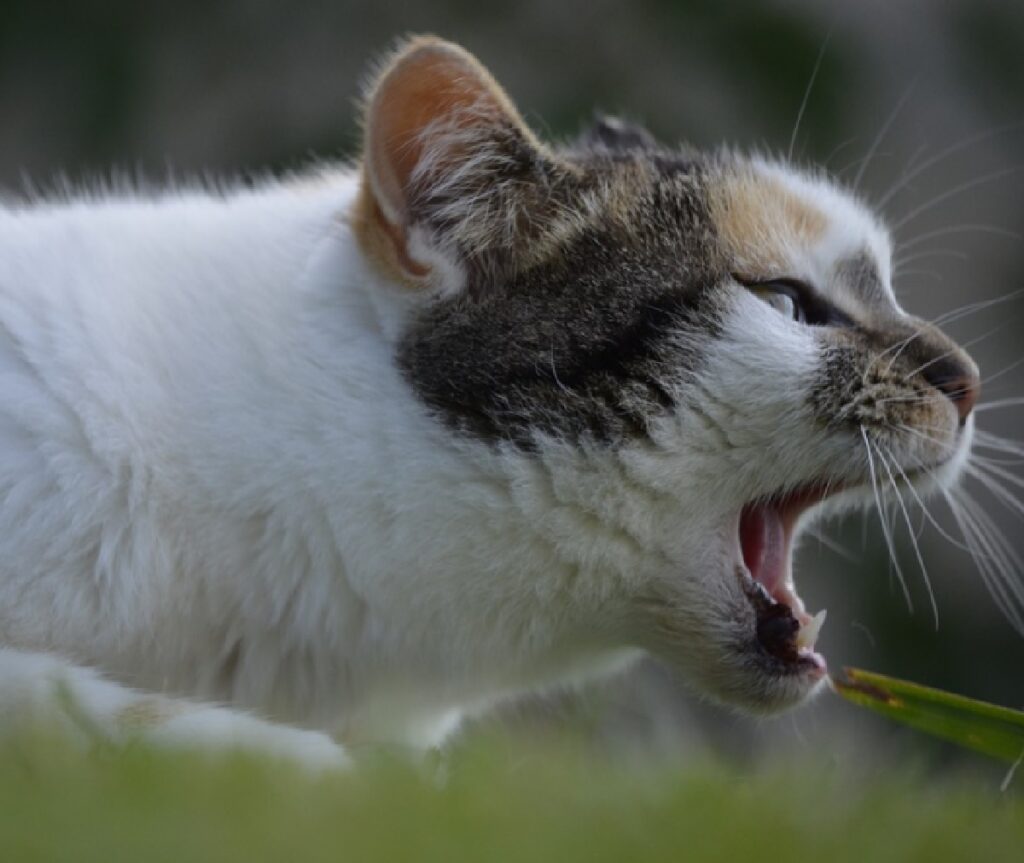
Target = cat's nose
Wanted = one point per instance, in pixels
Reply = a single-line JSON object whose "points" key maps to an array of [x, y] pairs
{"points": [[958, 380]]}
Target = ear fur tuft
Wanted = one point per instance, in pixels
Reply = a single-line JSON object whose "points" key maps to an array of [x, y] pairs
{"points": [[446, 152]]}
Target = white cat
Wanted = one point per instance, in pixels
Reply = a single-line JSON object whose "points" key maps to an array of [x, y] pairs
{"points": [[357, 452]]}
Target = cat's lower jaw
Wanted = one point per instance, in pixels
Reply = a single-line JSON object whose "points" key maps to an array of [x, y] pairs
{"points": [[773, 664]]}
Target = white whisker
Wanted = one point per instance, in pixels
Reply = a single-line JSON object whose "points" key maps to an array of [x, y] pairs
{"points": [[999, 492], [837, 150], [927, 513], [887, 533], [929, 253], [988, 380], [902, 274], [832, 545], [953, 350], [988, 440], [1004, 474], [930, 204], [910, 529], [979, 554], [881, 135], [943, 155], [920, 434], [987, 459], [946, 318], [1017, 401], [1001, 561], [807, 93], [969, 228]]}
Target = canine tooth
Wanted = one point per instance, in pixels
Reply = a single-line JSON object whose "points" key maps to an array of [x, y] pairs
{"points": [[808, 634]]}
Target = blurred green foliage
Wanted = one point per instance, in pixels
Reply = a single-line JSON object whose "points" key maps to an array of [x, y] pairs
{"points": [[492, 801]]}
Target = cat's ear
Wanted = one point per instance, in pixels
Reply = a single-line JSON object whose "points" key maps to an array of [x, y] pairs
{"points": [[613, 133], [449, 167]]}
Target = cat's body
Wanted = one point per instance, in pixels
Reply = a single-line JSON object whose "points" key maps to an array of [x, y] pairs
{"points": [[212, 481], [363, 449]]}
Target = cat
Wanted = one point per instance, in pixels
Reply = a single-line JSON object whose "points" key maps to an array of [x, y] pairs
{"points": [[337, 459]]}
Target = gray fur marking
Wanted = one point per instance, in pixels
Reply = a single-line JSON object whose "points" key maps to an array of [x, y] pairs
{"points": [[593, 342]]}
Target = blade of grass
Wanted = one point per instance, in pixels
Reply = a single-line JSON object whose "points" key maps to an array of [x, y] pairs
{"points": [[987, 728]]}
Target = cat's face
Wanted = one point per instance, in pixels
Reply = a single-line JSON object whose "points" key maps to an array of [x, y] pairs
{"points": [[711, 341]]}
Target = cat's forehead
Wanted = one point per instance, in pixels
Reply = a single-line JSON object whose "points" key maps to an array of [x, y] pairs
{"points": [[776, 222], [761, 219]]}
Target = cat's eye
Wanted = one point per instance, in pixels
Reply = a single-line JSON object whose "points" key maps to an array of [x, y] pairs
{"points": [[782, 298], [797, 301]]}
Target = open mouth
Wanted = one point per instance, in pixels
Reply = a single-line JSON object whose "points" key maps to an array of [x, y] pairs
{"points": [[785, 632]]}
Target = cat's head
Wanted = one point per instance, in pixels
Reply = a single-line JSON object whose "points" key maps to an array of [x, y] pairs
{"points": [[703, 351]]}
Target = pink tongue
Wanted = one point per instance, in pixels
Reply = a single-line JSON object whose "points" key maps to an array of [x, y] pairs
{"points": [[763, 540]]}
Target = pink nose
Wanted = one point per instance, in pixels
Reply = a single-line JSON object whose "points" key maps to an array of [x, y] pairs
{"points": [[960, 384]]}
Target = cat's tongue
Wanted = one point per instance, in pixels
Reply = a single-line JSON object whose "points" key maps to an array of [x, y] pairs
{"points": [[784, 629], [765, 531], [764, 543]]}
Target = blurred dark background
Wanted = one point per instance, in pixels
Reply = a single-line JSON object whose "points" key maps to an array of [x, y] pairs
{"points": [[241, 87]]}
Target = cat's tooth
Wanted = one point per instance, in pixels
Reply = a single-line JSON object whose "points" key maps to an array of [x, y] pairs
{"points": [[808, 634]]}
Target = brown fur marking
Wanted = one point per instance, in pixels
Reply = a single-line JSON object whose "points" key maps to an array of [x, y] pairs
{"points": [[758, 219]]}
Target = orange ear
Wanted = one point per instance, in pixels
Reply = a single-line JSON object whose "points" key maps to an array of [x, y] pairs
{"points": [[430, 113]]}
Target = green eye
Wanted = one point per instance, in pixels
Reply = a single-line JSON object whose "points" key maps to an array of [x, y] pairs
{"points": [[782, 298]]}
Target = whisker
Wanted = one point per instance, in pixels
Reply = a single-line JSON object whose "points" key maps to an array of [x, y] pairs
{"points": [[972, 308], [945, 318], [1005, 560], [902, 400], [807, 93], [1007, 476], [956, 190], [945, 154], [952, 351], [960, 229], [977, 458], [837, 150], [881, 135], [926, 512], [832, 545], [919, 433], [929, 253], [886, 532], [987, 568], [987, 459], [1016, 401], [902, 274], [1011, 559], [998, 491], [988, 440], [912, 162], [910, 530], [856, 624], [988, 380]]}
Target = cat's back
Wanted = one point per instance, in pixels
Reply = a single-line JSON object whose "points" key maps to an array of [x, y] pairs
{"points": [[109, 245], [115, 310]]}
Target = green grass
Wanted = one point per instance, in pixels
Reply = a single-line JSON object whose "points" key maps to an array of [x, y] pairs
{"points": [[494, 801], [987, 728]]}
